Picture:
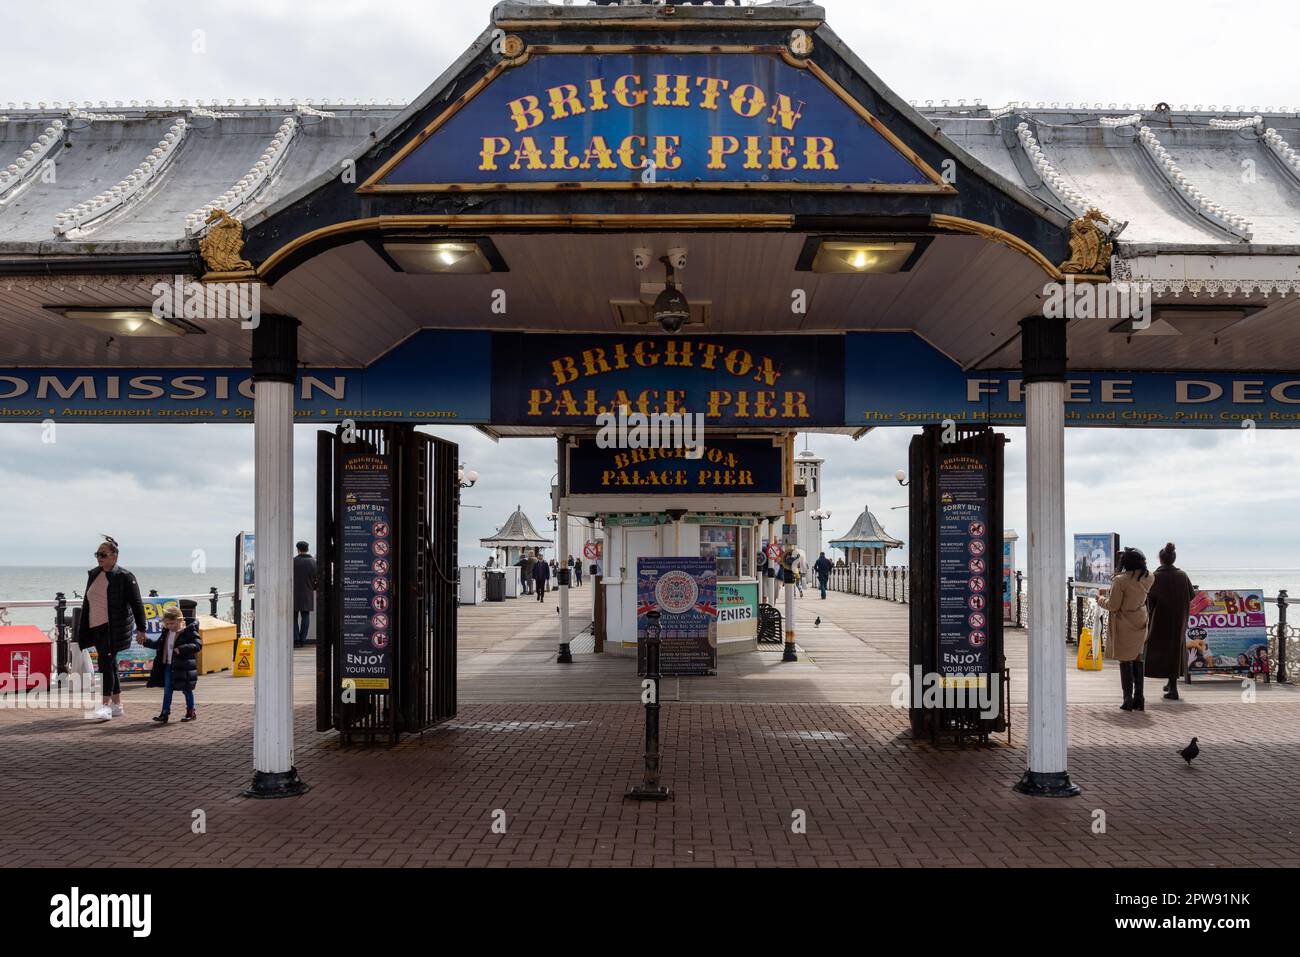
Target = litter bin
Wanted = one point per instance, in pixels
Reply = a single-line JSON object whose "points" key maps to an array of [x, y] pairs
{"points": [[496, 586]]}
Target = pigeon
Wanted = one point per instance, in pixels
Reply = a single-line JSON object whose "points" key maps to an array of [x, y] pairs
{"points": [[1190, 752], [818, 622]]}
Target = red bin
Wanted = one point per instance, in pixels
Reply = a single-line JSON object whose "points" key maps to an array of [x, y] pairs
{"points": [[26, 657]]}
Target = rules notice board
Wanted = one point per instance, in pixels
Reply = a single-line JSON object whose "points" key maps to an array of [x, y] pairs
{"points": [[964, 570], [685, 593], [366, 544]]}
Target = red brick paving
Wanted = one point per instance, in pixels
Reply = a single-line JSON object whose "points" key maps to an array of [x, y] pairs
{"points": [[122, 793]]}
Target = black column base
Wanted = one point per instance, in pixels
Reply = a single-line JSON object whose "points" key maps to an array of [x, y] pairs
{"points": [[1052, 784], [641, 792], [276, 784], [788, 654], [566, 656]]}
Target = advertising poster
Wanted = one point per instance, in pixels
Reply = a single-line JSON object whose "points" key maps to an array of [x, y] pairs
{"points": [[1094, 559], [246, 562], [1227, 633], [737, 609], [137, 661], [1008, 577], [367, 564], [685, 592], [965, 571]]}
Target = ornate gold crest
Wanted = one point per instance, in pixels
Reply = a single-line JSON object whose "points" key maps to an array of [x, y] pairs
{"points": [[1090, 245], [223, 244]]}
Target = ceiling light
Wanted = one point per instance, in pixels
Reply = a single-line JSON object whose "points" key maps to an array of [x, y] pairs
{"points": [[422, 256], [129, 322], [862, 255]]}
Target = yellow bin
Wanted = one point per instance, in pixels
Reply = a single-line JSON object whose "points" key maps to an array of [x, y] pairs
{"points": [[218, 651]]}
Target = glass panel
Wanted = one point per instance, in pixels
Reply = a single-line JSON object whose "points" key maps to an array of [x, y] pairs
{"points": [[719, 542]]}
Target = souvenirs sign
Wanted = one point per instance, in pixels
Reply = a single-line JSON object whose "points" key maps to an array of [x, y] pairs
{"points": [[1227, 633], [685, 592], [565, 119], [965, 571], [366, 548]]}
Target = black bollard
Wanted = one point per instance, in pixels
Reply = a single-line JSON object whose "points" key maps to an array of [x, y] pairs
{"points": [[61, 630], [650, 789], [212, 593], [1281, 638]]}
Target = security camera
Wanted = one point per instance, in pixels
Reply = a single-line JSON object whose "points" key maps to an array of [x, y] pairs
{"points": [[677, 256], [642, 257]]}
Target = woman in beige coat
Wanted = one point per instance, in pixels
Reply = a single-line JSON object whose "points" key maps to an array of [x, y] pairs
{"points": [[1126, 600]]}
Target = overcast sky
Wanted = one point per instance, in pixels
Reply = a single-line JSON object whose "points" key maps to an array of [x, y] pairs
{"points": [[166, 490]]}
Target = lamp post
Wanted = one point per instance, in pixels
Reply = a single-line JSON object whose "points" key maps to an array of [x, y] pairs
{"points": [[901, 476], [466, 478], [820, 515]]}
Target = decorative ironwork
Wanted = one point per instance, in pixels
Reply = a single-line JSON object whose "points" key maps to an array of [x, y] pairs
{"points": [[1090, 245], [223, 245]]}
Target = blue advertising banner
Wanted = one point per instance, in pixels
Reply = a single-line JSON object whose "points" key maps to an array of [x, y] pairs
{"points": [[896, 378], [737, 466], [557, 379], [685, 592], [877, 379], [965, 571], [713, 119], [366, 546]]}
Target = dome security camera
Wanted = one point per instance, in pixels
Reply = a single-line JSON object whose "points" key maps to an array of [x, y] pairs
{"points": [[671, 310], [642, 257]]}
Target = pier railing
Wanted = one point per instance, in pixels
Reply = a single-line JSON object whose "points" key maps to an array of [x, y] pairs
{"points": [[61, 612], [890, 583]]}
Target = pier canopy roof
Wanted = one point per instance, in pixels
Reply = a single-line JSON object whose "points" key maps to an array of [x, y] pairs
{"points": [[512, 194], [517, 532], [867, 532]]}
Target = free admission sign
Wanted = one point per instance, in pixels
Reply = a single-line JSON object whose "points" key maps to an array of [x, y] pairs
{"points": [[569, 118]]}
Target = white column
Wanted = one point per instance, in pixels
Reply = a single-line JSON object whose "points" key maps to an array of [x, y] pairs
{"points": [[565, 655], [273, 523], [1045, 475]]}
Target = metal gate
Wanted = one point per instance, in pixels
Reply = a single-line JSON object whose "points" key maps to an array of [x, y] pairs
{"points": [[426, 498]]}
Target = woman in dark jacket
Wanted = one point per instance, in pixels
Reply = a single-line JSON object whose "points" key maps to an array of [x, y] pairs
{"points": [[176, 666], [111, 613], [1169, 602]]}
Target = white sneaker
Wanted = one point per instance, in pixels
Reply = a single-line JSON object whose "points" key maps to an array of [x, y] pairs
{"points": [[102, 713], [116, 710]]}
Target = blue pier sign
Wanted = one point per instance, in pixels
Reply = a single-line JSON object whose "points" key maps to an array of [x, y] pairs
{"points": [[631, 119]]}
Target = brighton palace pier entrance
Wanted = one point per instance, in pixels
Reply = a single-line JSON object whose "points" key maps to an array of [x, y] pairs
{"points": [[709, 210]]}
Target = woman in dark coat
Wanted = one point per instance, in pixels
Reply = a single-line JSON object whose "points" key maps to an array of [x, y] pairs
{"points": [[1168, 601], [176, 666], [111, 612]]}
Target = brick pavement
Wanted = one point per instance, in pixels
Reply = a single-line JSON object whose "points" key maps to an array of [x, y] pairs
{"points": [[122, 793]]}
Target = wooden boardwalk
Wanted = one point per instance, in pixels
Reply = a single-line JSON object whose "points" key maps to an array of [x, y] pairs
{"points": [[507, 654]]}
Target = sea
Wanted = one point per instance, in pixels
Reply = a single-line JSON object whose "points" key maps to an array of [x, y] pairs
{"points": [[31, 583], [21, 583]]}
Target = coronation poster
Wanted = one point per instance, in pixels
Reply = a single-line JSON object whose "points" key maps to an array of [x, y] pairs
{"points": [[366, 548], [685, 592]]}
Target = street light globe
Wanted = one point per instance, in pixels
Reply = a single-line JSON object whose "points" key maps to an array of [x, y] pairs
{"points": [[900, 475], [472, 475]]}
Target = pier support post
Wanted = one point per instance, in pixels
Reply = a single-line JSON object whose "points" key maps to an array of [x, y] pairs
{"points": [[275, 368], [562, 582], [1043, 360]]}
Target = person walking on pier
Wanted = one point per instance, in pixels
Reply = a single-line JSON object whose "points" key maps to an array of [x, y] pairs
{"points": [[304, 594], [822, 567], [526, 562], [1168, 603], [176, 666], [541, 575], [1126, 600], [111, 614], [577, 572]]}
